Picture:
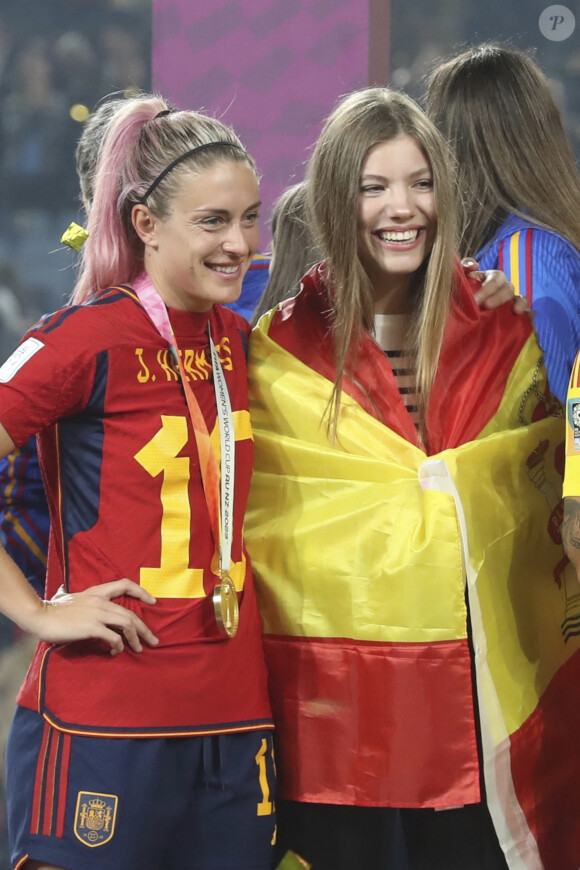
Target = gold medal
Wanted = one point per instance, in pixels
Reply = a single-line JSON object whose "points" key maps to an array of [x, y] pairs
{"points": [[225, 605]]}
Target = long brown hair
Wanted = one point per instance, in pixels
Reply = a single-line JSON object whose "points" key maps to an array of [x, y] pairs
{"points": [[496, 109], [360, 121]]}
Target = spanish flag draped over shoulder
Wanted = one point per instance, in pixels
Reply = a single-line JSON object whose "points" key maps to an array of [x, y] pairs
{"points": [[363, 551]]}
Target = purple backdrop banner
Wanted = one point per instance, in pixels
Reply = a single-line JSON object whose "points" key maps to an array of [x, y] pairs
{"points": [[271, 68]]}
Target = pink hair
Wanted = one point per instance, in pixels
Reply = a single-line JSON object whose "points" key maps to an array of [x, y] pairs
{"points": [[134, 153], [108, 256]]}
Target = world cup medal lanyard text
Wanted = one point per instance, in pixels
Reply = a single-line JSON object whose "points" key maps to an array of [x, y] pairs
{"points": [[219, 499]]}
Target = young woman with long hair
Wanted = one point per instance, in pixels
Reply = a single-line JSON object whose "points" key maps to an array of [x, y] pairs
{"points": [[377, 494], [519, 186], [143, 730]]}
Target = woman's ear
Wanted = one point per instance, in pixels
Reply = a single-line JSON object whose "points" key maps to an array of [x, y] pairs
{"points": [[145, 224]]}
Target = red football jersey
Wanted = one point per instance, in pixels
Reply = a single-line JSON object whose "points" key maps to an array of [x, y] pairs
{"points": [[122, 477]]}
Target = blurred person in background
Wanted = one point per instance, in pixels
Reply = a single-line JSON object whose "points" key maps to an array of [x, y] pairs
{"points": [[122, 59], [77, 69], [33, 123], [292, 251]]}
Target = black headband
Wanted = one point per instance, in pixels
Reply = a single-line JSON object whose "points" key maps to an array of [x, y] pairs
{"points": [[178, 160]]}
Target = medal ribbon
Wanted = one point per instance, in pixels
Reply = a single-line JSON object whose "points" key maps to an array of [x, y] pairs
{"points": [[219, 499]]}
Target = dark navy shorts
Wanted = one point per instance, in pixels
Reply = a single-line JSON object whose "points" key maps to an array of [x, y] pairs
{"points": [[178, 803]]}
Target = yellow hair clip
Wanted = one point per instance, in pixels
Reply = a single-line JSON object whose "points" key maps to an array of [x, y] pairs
{"points": [[292, 861], [74, 236]]}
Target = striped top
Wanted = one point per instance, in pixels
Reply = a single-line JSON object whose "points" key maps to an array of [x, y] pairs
{"points": [[391, 331]]}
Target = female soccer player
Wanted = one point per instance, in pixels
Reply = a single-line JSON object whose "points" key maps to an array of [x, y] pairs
{"points": [[397, 460], [142, 736]]}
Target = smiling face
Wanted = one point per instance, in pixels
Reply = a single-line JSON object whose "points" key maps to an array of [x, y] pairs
{"points": [[200, 252], [396, 219]]}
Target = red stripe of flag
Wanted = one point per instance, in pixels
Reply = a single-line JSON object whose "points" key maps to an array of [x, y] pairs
{"points": [[500, 256], [545, 782], [425, 756]]}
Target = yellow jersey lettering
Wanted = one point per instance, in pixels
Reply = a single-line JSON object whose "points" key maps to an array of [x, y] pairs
{"points": [[225, 354], [143, 375], [165, 361], [173, 578], [196, 365]]}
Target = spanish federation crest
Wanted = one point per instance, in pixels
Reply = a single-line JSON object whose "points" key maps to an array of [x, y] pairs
{"points": [[95, 817]]}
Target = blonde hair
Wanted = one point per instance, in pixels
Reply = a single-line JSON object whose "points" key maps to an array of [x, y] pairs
{"points": [[360, 121], [496, 109]]}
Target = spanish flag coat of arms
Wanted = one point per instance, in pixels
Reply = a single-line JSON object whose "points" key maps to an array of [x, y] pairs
{"points": [[406, 596]]}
